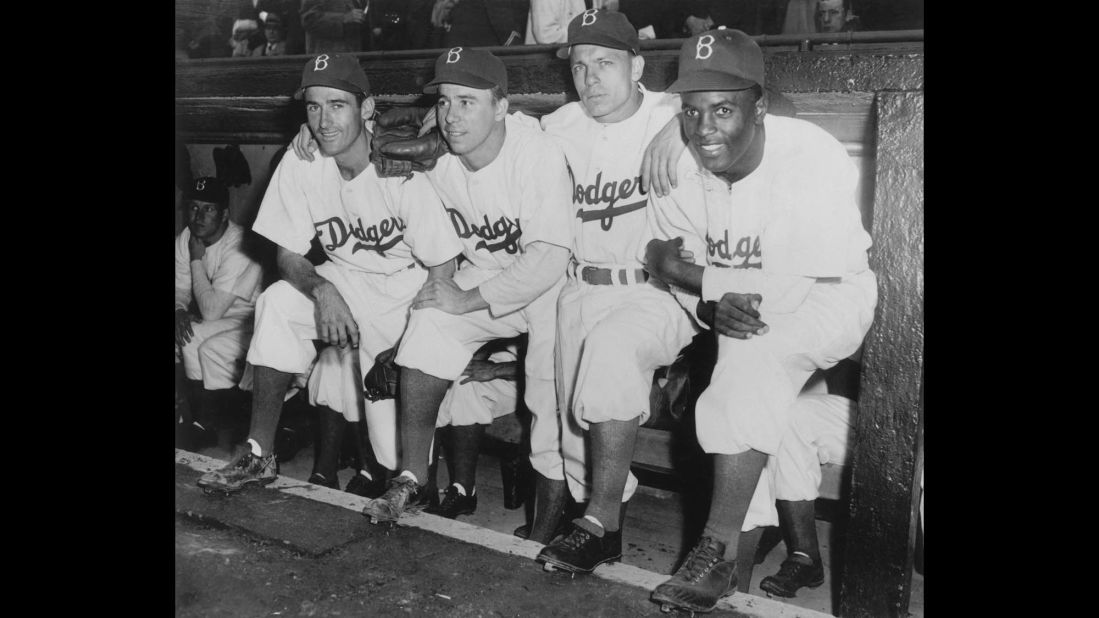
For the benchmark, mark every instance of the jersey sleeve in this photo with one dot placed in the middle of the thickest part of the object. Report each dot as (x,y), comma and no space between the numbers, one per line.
(545,196)
(283,214)
(428,230)
(183,270)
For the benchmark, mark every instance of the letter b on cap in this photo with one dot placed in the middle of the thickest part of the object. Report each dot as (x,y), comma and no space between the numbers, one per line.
(200,185)
(589,17)
(704,43)
(321,63)
(454,55)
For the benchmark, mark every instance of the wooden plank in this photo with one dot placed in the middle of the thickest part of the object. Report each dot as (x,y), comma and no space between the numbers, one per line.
(878,562)
(540,71)
(275,119)
(654,450)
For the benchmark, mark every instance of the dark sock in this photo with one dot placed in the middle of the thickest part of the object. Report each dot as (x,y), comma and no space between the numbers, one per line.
(331,425)
(735,479)
(465,444)
(612,445)
(420,396)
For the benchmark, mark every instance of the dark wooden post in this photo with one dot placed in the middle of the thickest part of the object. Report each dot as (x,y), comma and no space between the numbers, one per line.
(877,564)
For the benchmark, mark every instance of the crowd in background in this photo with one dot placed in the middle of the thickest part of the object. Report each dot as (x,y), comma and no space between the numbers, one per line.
(237,28)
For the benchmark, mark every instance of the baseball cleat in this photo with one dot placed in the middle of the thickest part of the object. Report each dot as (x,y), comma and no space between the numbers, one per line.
(791,576)
(580,551)
(243,470)
(404,494)
(701,581)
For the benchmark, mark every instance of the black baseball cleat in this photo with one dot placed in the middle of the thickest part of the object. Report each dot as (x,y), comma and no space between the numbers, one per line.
(791,576)
(701,581)
(319,479)
(367,488)
(581,550)
(454,504)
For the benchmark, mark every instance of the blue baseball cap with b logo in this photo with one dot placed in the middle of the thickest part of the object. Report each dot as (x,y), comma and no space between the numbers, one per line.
(468,66)
(603,28)
(719,60)
(335,71)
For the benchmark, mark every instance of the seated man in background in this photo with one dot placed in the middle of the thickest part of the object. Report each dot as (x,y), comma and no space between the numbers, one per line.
(222,282)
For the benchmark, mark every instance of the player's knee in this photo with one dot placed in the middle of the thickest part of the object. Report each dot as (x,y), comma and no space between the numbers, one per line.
(277,295)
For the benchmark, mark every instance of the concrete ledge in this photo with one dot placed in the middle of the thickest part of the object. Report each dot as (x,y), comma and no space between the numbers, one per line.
(745,604)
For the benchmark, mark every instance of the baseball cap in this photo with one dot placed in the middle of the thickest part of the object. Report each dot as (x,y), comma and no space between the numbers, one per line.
(722,59)
(603,28)
(335,71)
(208,189)
(471,67)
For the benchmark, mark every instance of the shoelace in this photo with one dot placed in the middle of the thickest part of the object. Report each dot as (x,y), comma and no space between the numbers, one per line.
(699,562)
(576,539)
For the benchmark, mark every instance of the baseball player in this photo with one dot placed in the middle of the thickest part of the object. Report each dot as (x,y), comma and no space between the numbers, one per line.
(223,282)
(769,202)
(378,234)
(615,327)
(505,186)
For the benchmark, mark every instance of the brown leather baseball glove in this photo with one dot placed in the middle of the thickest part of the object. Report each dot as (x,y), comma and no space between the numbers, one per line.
(383,379)
(396,150)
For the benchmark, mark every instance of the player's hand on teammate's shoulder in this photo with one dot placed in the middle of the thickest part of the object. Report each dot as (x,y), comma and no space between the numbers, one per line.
(737,316)
(658,166)
(335,324)
(303,144)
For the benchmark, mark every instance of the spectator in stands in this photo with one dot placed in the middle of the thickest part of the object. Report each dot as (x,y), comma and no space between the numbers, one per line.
(655,19)
(481,23)
(835,16)
(548,20)
(703,15)
(216,289)
(275,34)
(335,25)
(241,40)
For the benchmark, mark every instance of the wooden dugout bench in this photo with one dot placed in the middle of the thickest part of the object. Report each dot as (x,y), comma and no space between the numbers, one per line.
(864,88)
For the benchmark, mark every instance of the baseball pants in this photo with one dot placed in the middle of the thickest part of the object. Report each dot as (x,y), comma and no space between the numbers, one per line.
(818,435)
(215,353)
(285,330)
(610,340)
(441,344)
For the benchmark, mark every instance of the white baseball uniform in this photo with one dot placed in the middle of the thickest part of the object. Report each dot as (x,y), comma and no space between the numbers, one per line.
(215,353)
(820,425)
(611,336)
(519,198)
(378,234)
(478,403)
(790,231)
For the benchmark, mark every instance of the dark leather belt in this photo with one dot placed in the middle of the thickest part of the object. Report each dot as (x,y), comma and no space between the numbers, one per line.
(612,276)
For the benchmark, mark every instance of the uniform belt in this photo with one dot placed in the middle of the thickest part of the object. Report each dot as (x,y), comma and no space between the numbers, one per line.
(611,276)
